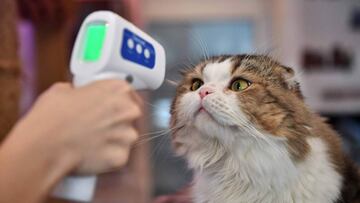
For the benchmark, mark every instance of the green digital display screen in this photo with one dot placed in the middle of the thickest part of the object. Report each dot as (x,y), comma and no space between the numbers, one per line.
(94,41)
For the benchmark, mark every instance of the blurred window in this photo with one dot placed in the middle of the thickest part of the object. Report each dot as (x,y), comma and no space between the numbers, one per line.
(183,40)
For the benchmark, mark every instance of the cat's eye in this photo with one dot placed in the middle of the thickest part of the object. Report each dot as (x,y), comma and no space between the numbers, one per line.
(239,85)
(196,84)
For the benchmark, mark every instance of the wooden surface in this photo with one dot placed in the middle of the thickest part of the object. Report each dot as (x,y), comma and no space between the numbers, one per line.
(9,67)
(53,46)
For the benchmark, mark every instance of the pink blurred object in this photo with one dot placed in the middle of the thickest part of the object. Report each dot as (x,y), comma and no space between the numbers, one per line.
(133,11)
(27,55)
(183,196)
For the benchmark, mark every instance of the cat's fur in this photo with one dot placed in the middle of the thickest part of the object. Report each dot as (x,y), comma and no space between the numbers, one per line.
(261,144)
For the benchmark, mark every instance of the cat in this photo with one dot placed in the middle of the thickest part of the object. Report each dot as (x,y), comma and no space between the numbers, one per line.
(242,124)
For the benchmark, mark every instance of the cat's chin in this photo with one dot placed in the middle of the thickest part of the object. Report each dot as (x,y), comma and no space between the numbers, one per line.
(203,117)
(207,123)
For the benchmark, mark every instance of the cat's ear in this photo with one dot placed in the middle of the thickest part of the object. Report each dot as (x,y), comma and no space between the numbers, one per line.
(288,75)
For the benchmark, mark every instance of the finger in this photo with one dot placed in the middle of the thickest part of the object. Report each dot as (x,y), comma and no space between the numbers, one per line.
(137,98)
(61,85)
(124,110)
(116,158)
(114,116)
(110,85)
(126,136)
(106,89)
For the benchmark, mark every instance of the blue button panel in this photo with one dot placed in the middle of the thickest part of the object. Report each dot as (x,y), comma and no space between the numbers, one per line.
(137,50)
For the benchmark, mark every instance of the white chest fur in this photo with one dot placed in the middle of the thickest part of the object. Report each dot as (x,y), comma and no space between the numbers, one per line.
(266,175)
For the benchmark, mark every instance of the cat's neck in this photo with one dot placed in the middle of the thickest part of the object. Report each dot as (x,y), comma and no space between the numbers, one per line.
(262,172)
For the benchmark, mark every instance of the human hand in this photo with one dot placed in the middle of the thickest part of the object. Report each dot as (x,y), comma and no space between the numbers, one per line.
(88,129)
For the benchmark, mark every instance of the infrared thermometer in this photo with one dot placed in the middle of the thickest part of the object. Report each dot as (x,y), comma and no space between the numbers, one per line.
(109,47)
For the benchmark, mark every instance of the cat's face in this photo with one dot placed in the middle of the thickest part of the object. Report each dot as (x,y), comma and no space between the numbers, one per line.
(240,97)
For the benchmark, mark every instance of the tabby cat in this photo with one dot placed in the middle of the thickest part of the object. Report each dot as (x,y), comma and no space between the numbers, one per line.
(243,126)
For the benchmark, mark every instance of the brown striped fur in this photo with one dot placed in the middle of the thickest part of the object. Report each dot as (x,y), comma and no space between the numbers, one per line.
(275,104)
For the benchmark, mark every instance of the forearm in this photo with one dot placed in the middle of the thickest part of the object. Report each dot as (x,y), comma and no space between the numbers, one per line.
(28,171)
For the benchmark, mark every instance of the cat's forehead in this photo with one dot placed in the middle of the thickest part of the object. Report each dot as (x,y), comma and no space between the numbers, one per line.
(217,71)
(252,67)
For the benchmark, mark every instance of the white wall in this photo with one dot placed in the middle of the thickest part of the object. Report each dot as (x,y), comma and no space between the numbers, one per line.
(326,22)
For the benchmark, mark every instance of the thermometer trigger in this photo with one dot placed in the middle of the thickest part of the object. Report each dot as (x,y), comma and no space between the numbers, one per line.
(129,78)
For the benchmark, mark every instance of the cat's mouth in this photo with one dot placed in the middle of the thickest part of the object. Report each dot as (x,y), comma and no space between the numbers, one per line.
(207,112)
(202,111)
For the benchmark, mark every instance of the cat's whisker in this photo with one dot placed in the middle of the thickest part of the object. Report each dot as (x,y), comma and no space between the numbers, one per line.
(157,134)
(150,104)
(172,82)
(197,38)
(250,131)
(205,47)
(150,138)
(186,68)
(157,147)
(162,131)
(241,123)
(153,133)
(244,124)
(190,64)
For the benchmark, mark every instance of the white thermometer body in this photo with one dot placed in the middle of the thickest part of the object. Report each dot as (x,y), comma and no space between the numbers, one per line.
(107,46)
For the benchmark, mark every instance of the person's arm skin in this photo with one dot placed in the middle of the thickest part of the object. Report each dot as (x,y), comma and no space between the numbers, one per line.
(87,130)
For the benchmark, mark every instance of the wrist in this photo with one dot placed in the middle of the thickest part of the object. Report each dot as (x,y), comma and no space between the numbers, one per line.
(38,148)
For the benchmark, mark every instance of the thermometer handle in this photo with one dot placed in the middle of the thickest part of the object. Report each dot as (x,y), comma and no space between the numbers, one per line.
(82,188)
(77,188)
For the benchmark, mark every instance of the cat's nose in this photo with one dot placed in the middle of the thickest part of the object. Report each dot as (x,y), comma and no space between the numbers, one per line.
(205,91)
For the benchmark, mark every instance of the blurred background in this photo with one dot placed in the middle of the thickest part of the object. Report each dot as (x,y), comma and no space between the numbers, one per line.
(320,39)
